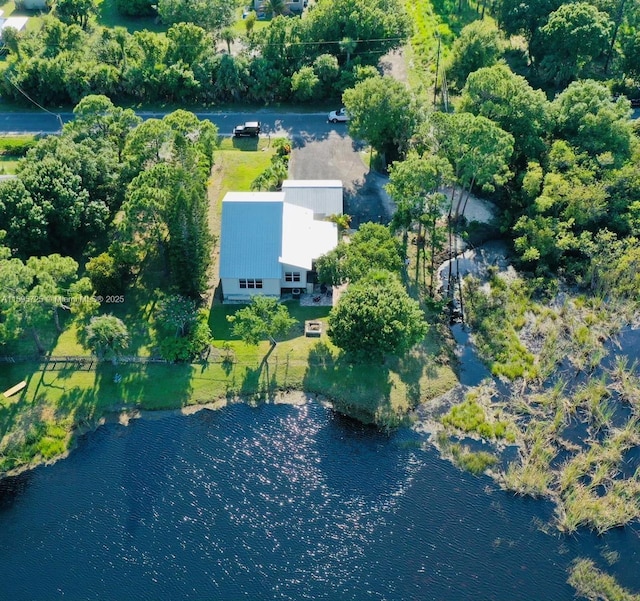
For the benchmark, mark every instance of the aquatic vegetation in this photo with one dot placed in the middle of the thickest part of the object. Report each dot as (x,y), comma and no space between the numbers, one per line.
(595,585)
(496,312)
(476,462)
(590,490)
(469,416)
(532,476)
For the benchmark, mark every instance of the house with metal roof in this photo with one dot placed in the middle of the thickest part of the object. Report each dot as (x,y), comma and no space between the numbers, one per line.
(268,245)
(324,196)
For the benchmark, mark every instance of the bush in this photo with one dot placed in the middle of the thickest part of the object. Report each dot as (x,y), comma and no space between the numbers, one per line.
(105,275)
(193,344)
(16,146)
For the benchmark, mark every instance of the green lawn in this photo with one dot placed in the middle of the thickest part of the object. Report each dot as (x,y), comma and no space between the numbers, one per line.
(8,164)
(238,162)
(108,16)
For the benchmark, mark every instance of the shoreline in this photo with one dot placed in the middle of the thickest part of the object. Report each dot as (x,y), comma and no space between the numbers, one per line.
(125,415)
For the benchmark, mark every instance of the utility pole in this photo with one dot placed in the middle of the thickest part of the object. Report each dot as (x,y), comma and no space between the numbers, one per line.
(435,85)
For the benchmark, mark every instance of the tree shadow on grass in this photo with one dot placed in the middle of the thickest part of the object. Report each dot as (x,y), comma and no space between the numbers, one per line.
(362,390)
(11,408)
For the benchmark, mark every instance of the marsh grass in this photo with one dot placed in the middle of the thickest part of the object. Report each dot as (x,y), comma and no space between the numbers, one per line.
(532,475)
(470,416)
(595,585)
(591,493)
(475,462)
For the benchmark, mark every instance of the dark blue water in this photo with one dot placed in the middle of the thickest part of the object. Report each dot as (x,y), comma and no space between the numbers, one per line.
(278,502)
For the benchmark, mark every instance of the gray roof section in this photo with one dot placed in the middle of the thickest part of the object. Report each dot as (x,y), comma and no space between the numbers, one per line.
(251,236)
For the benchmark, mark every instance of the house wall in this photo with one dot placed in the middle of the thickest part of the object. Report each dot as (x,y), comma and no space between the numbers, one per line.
(292,269)
(231,289)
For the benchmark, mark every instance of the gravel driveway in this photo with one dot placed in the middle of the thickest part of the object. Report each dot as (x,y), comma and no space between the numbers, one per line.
(336,156)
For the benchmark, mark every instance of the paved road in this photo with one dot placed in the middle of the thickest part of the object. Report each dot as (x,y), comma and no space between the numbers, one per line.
(321,150)
(278,123)
(275,122)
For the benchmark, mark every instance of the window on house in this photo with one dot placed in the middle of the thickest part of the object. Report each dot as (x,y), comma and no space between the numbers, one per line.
(291,276)
(251,283)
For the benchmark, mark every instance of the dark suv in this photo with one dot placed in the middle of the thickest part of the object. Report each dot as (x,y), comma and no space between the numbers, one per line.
(250,128)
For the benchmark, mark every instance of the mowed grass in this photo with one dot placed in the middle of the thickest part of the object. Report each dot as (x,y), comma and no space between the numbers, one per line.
(108,16)
(241,160)
(8,165)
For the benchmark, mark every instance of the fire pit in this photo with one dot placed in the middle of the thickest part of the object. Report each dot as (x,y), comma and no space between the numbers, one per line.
(313,328)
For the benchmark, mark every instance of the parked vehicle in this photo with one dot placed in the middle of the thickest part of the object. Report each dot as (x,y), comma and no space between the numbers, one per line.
(339,116)
(248,129)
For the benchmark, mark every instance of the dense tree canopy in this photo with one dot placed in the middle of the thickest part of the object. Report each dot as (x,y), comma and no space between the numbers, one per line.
(62,63)
(588,118)
(384,113)
(375,317)
(510,102)
(371,247)
(478,150)
(75,11)
(573,35)
(210,14)
(480,45)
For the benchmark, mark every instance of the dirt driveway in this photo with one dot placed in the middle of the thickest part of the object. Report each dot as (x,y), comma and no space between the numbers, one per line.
(335,155)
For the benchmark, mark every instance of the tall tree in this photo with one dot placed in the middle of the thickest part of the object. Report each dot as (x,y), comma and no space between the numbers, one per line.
(383,113)
(588,118)
(480,44)
(375,317)
(415,186)
(75,11)
(478,150)
(210,14)
(508,100)
(525,17)
(573,36)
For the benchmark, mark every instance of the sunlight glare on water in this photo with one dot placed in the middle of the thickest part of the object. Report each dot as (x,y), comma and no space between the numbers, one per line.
(276,502)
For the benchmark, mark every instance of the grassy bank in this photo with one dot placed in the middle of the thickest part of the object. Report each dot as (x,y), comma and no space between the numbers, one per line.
(59,397)
(434,20)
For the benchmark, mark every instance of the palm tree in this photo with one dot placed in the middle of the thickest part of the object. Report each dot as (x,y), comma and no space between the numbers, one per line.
(348,45)
(107,337)
(228,36)
(275,7)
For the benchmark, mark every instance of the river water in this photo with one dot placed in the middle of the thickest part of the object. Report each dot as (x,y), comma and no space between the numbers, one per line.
(279,502)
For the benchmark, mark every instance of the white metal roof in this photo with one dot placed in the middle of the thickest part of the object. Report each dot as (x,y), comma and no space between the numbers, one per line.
(304,238)
(17,23)
(253,197)
(311,183)
(260,232)
(324,197)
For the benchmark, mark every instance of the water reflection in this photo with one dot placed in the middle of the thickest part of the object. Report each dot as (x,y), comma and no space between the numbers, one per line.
(279,502)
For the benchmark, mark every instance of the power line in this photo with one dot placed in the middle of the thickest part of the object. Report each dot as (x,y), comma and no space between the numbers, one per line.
(17,87)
